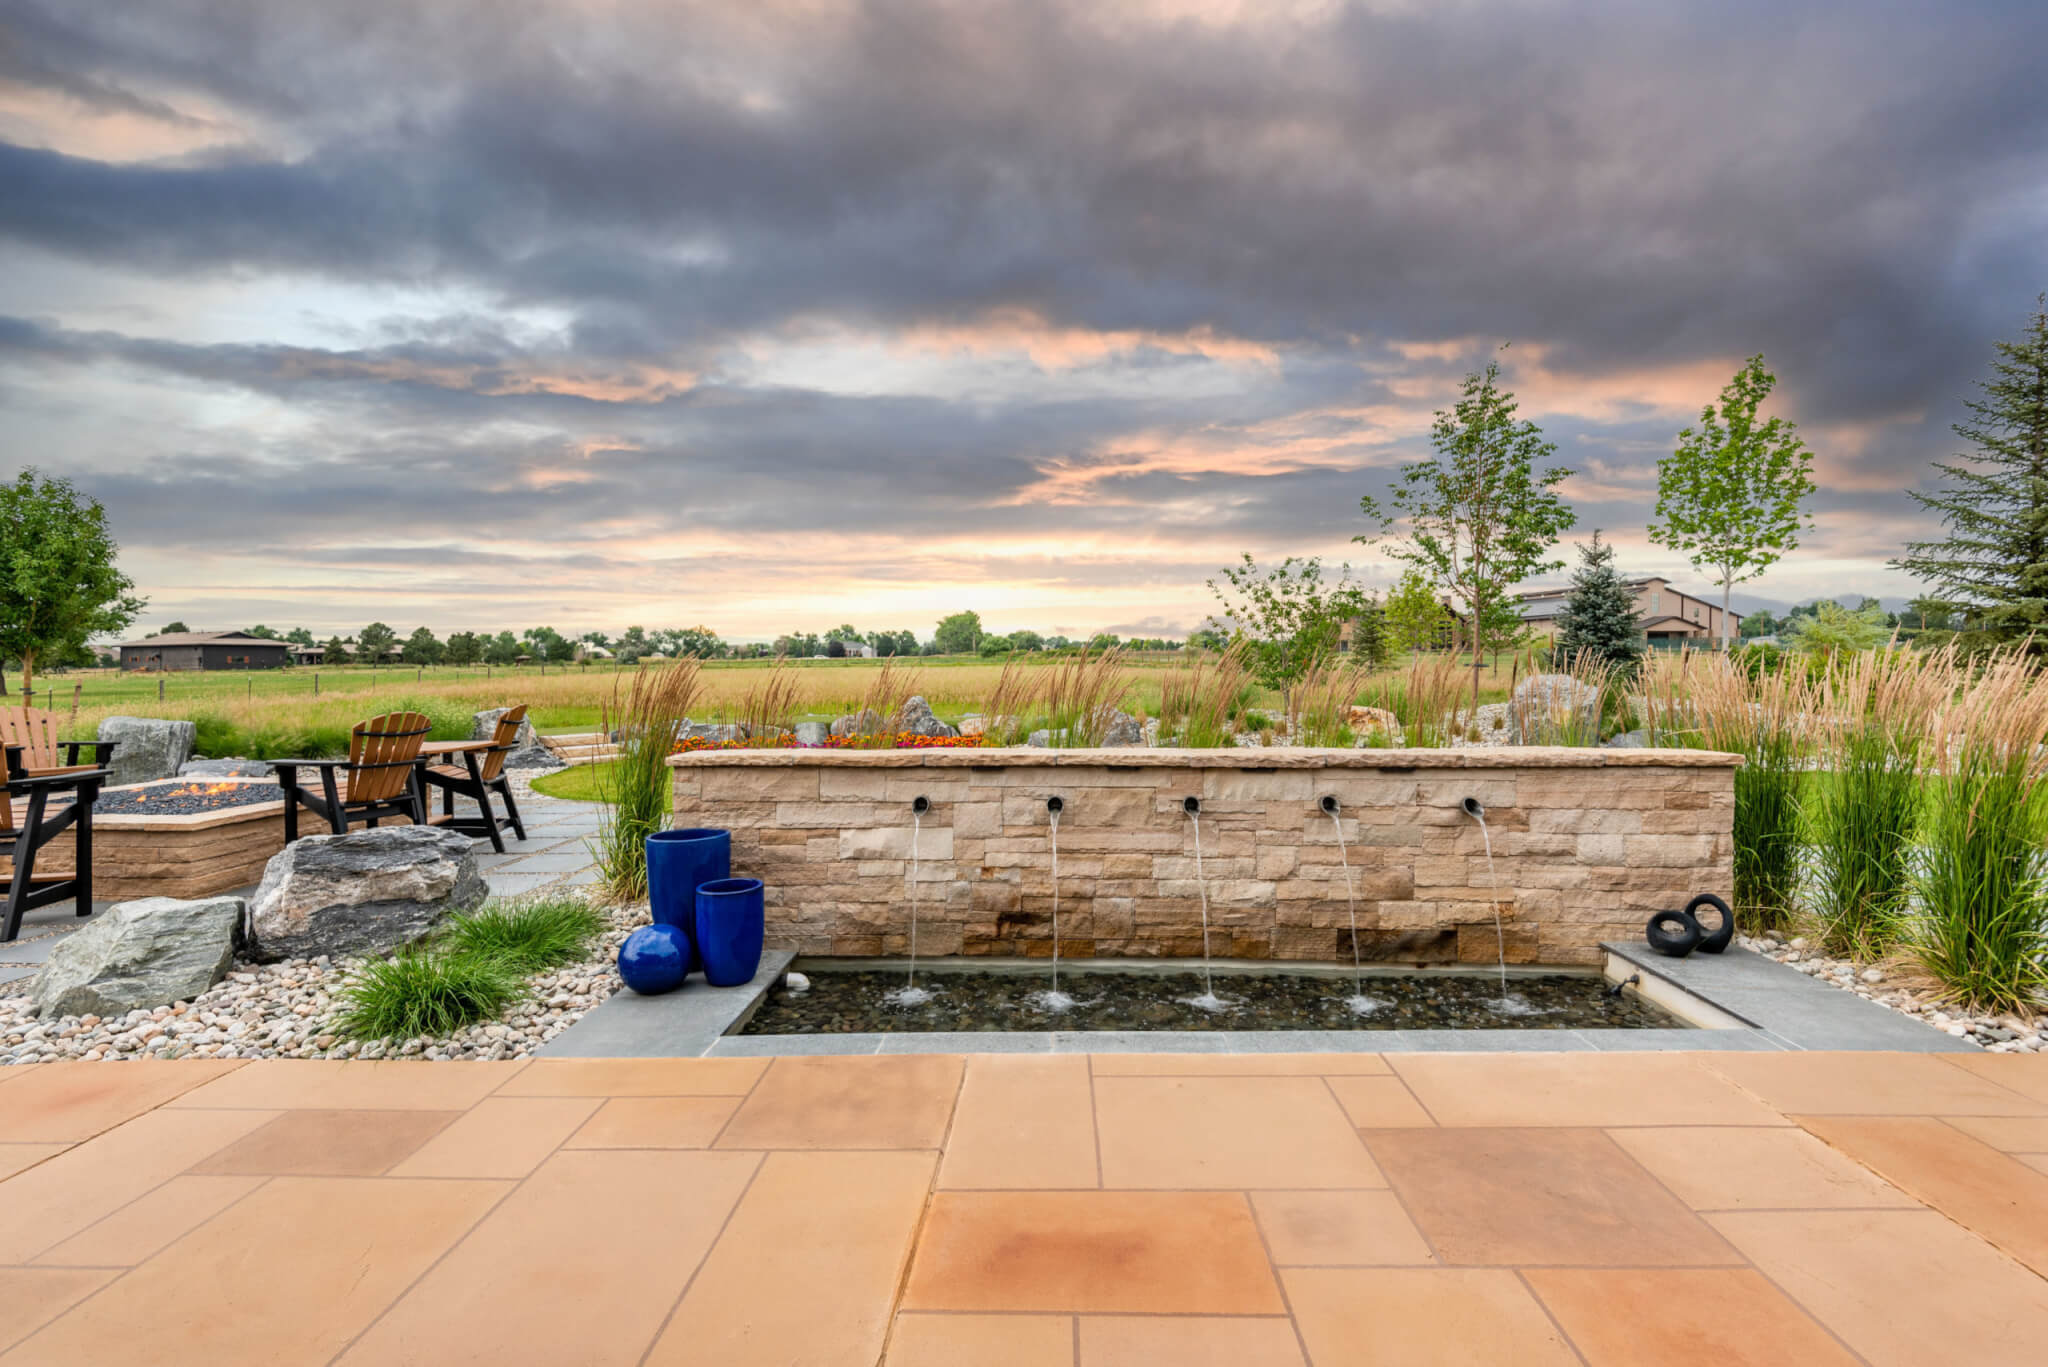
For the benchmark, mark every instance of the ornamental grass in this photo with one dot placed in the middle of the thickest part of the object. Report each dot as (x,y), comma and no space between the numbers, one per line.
(1319,703)
(1201,699)
(1430,699)
(645,715)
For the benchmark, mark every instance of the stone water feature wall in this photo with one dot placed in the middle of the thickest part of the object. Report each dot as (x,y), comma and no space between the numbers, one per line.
(1586,844)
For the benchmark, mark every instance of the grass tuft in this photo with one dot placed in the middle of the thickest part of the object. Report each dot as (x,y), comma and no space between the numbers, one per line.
(421,991)
(527,935)
(635,787)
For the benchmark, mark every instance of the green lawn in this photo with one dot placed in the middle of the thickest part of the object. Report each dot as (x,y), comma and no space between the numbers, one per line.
(579,783)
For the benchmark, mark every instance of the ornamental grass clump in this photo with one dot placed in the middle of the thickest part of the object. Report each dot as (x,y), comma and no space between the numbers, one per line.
(1864,805)
(1072,698)
(1981,926)
(426,991)
(529,936)
(1713,703)
(633,790)
(1565,704)
(769,707)
(1319,703)
(1199,700)
(1427,698)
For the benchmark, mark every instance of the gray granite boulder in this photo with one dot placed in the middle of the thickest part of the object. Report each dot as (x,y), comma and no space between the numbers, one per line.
(862,723)
(813,732)
(917,718)
(715,731)
(1543,703)
(140,955)
(1628,740)
(526,753)
(1121,728)
(224,768)
(147,748)
(365,892)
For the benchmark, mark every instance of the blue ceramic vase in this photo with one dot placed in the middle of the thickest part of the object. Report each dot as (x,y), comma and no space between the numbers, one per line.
(731,923)
(678,863)
(655,959)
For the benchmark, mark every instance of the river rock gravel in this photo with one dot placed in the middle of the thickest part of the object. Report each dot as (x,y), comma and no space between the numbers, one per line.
(1903,990)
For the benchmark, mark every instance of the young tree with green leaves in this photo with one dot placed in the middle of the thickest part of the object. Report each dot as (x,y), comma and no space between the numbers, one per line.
(959,634)
(375,640)
(1730,494)
(335,652)
(58,583)
(1993,564)
(1414,614)
(464,648)
(1479,516)
(503,649)
(422,648)
(1599,619)
(1834,630)
(1289,617)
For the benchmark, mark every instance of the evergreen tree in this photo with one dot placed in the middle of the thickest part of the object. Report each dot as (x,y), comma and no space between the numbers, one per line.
(1993,564)
(1599,616)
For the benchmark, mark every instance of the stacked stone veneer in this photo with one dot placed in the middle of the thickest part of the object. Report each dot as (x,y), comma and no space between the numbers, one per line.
(1585,843)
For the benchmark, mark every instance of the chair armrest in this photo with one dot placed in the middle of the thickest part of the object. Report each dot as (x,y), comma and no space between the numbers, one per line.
(308,763)
(102,750)
(12,754)
(56,783)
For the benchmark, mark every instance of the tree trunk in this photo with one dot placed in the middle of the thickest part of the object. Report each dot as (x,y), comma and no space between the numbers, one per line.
(28,687)
(1727,622)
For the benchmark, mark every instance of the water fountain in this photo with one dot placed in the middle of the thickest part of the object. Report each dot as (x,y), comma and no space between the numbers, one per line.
(910,994)
(1053,999)
(1357,1001)
(1476,809)
(1208,1001)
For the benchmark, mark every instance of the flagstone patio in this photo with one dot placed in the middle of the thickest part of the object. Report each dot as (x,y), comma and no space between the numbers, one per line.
(1013,1211)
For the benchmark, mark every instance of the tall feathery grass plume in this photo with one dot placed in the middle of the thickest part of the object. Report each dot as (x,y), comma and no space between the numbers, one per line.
(645,713)
(1981,923)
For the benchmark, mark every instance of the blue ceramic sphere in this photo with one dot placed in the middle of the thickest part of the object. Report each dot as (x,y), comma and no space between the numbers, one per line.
(655,959)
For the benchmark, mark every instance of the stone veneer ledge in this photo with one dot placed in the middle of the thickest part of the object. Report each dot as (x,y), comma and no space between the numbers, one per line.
(1586,843)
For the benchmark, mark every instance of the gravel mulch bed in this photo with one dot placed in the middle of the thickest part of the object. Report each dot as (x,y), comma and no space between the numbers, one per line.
(1907,991)
(286,1010)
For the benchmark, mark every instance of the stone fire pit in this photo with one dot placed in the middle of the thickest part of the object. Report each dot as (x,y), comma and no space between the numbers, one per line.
(179,837)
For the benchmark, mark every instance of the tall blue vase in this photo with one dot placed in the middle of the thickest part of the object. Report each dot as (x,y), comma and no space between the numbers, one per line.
(731,924)
(678,862)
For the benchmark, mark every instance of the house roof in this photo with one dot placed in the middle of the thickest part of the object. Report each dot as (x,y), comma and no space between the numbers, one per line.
(204,638)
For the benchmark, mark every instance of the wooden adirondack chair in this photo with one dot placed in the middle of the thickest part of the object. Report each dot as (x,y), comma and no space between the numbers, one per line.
(42,816)
(34,734)
(377,779)
(482,773)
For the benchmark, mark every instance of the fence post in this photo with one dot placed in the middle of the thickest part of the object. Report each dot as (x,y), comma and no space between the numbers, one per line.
(316,683)
(76,690)
(159,688)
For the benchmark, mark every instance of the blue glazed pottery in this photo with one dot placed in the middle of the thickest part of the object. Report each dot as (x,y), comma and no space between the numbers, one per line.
(678,863)
(731,923)
(655,959)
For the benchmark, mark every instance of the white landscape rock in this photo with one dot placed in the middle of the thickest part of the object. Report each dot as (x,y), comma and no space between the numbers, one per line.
(362,893)
(147,748)
(140,954)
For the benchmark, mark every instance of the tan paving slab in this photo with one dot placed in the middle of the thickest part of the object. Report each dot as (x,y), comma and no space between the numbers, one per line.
(64,1103)
(947,1340)
(21,1157)
(61,1196)
(807,1267)
(1623,1317)
(637,1077)
(33,1296)
(1339,1229)
(580,1264)
(1965,1179)
(151,1222)
(286,1276)
(1871,1084)
(505,1137)
(1227,1132)
(350,1143)
(1023,1121)
(351,1084)
(1238,1065)
(1540,1197)
(2037,1161)
(2012,1134)
(1577,1090)
(2026,1074)
(656,1122)
(1431,1317)
(1730,1168)
(1379,1103)
(901,1102)
(1904,1288)
(1131,1252)
(1187,1341)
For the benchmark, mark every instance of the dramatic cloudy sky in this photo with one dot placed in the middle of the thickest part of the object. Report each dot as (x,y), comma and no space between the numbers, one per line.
(773,315)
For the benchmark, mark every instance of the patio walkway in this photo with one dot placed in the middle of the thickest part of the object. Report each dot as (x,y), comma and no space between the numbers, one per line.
(1009,1211)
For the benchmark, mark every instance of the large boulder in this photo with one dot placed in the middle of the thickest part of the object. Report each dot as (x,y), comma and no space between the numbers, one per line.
(365,892)
(813,732)
(147,748)
(140,955)
(1374,726)
(916,718)
(225,768)
(865,722)
(526,753)
(1544,703)
(1121,728)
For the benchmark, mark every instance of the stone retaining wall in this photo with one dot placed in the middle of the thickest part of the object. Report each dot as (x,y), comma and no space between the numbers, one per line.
(1586,844)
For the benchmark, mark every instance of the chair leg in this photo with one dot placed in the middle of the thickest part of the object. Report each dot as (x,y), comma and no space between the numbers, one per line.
(483,802)
(337,816)
(82,857)
(291,812)
(24,865)
(504,787)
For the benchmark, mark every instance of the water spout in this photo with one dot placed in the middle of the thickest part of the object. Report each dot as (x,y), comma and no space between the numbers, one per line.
(910,994)
(1476,809)
(1054,999)
(1208,1001)
(1357,1001)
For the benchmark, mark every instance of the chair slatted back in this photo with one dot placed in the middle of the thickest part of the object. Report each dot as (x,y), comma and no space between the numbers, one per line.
(35,731)
(381,752)
(502,741)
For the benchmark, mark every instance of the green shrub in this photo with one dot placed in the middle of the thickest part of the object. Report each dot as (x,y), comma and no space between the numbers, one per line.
(529,936)
(423,990)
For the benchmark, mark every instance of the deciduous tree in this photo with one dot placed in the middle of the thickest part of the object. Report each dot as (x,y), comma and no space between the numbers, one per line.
(58,582)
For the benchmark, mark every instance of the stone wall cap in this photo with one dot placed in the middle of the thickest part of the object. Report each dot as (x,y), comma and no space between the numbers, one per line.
(1255,758)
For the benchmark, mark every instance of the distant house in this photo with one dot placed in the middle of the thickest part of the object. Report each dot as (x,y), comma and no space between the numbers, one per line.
(181,650)
(308,655)
(1671,617)
(586,651)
